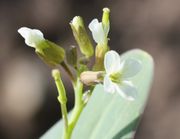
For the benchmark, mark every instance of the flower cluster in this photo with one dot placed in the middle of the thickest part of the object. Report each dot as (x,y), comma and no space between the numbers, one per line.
(109,68)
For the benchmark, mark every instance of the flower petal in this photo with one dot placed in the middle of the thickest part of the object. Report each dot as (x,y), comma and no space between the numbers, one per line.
(127,90)
(31,36)
(97,31)
(109,86)
(112,62)
(130,68)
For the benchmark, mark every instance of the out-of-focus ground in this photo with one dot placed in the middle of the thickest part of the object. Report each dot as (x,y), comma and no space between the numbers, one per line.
(28,105)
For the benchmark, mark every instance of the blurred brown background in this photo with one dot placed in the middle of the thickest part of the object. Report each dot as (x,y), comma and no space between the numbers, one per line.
(28,105)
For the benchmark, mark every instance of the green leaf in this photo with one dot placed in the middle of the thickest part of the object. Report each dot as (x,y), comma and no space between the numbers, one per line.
(109,116)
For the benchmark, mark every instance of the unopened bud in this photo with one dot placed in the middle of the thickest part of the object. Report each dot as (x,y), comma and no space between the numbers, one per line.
(90,77)
(71,56)
(99,61)
(105,20)
(60,86)
(50,53)
(81,36)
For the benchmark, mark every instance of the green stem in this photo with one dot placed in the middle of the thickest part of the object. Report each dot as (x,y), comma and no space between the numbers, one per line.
(62,98)
(64,115)
(68,71)
(78,107)
(79,103)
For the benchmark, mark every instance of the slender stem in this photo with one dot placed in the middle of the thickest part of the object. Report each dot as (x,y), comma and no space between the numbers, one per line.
(78,107)
(68,71)
(64,115)
(62,98)
(79,103)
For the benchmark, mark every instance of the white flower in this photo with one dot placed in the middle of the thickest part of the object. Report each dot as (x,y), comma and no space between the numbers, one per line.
(99,33)
(117,74)
(32,36)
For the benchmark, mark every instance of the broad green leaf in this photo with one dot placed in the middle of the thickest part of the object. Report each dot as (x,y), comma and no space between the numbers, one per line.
(109,116)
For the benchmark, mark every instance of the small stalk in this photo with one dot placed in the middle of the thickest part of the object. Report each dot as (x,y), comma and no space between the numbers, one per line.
(62,99)
(78,107)
(68,71)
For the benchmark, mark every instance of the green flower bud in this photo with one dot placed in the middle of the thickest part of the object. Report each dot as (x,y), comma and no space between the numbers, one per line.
(81,36)
(99,61)
(48,51)
(71,56)
(105,20)
(60,86)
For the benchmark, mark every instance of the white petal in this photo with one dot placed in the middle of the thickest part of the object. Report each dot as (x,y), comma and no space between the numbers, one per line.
(112,62)
(119,91)
(108,85)
(97,31)
(127,90)
(93,24)
(130,68)
(31,36)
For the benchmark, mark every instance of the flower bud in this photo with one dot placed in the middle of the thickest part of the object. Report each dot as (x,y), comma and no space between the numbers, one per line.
(71,56)
(99,61)
(105,20)
(90,77)
(48,51)
(81,36)
(60,86)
